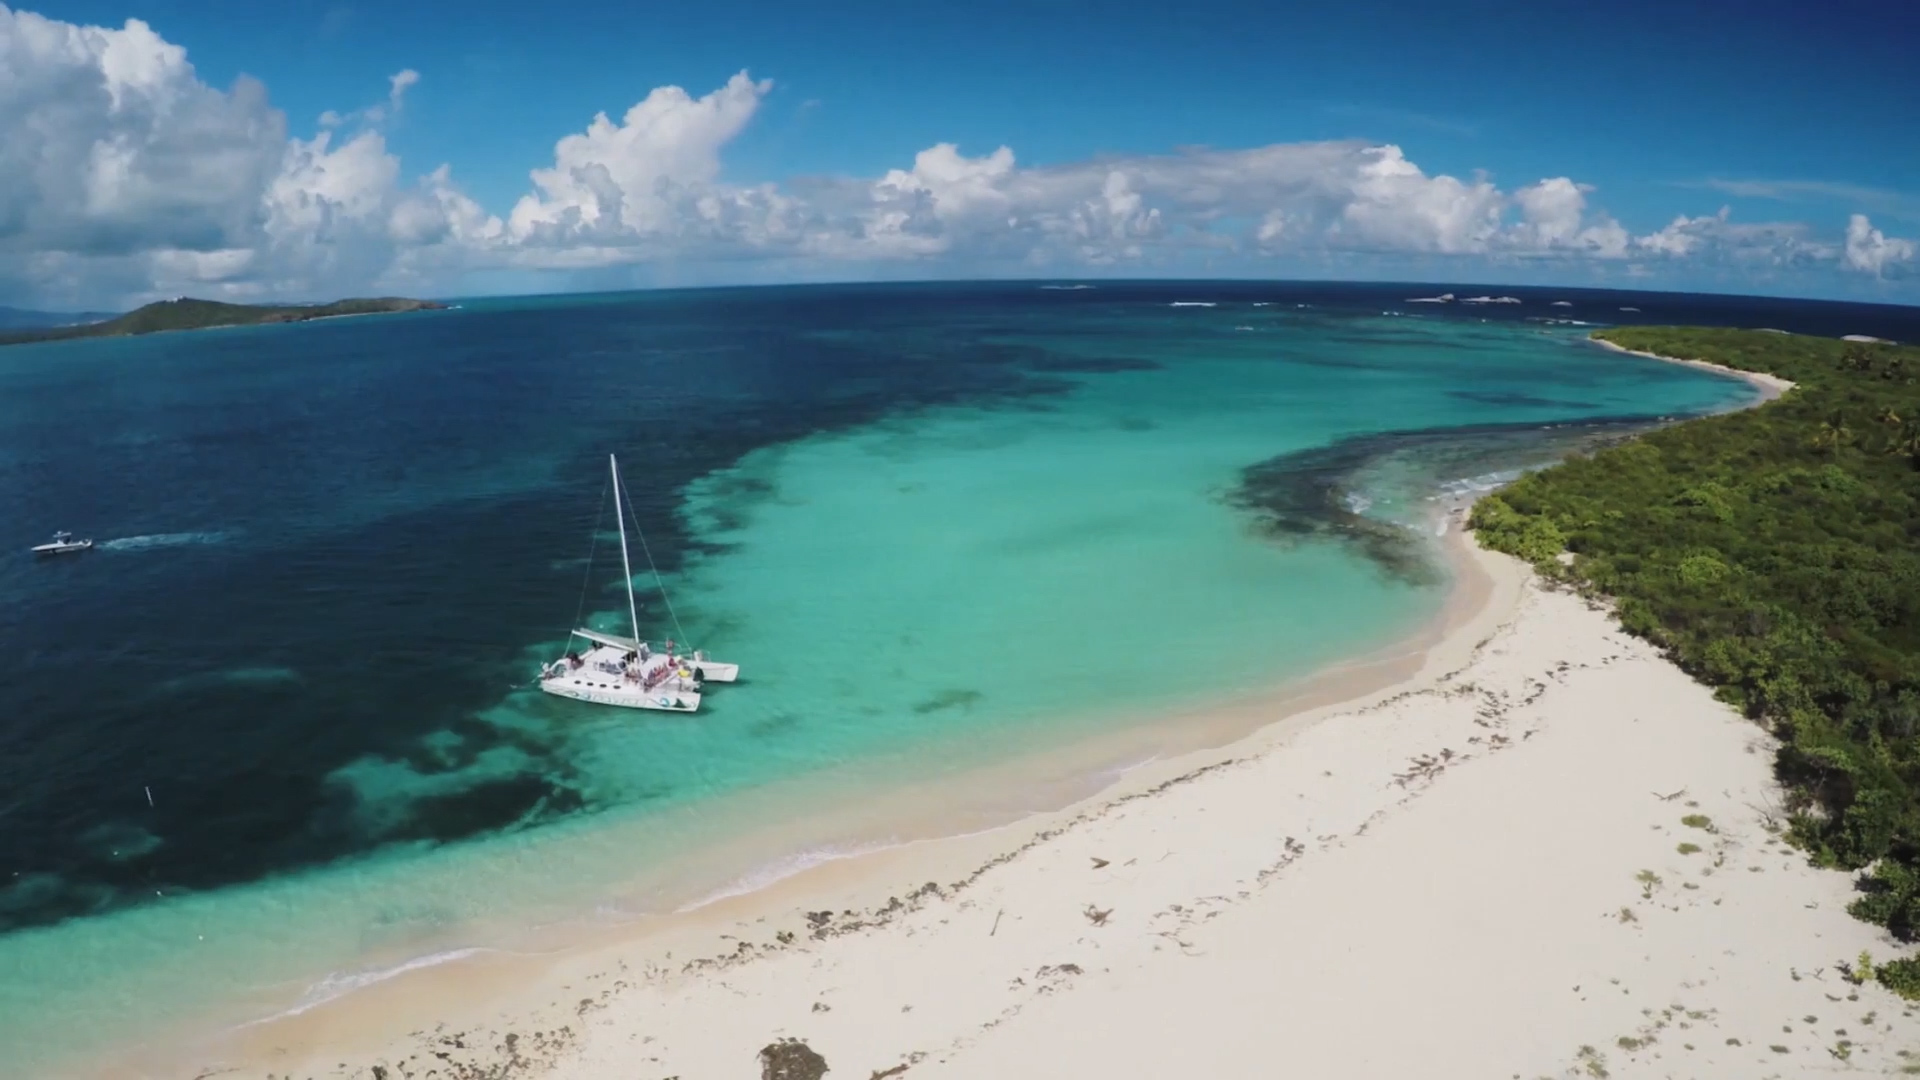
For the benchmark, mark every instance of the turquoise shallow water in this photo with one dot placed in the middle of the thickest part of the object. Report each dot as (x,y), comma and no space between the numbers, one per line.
(1006,525)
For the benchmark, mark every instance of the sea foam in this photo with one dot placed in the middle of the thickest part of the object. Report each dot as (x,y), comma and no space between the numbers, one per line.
(338,985)
(772,873)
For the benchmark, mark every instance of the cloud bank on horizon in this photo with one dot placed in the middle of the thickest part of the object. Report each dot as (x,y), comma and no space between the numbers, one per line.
(124,177)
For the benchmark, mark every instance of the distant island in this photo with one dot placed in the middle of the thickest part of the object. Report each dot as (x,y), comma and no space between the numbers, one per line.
(12,318)
(187,313)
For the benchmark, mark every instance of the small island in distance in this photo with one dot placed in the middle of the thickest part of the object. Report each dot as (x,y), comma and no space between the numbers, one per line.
(187,313)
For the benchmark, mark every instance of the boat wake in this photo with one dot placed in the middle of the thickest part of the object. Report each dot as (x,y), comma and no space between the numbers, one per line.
(239,678)
(162,540)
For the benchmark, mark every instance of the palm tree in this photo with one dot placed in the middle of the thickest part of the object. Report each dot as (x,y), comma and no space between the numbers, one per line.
(1832,434)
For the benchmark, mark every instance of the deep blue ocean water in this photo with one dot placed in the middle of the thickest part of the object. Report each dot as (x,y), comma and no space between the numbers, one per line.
(332,554)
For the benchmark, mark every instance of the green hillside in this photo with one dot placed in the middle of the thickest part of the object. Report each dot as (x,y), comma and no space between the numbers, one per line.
(186,313)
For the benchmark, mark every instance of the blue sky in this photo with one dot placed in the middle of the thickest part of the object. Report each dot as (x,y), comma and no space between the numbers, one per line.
(1787,114)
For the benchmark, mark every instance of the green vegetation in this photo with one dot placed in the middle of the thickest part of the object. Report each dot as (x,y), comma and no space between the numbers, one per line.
(1774,554)
(1900,976)
(1861,971)
(189,314)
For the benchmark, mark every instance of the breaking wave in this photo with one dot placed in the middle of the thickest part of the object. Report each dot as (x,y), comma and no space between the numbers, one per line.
(337,986)
(772,873)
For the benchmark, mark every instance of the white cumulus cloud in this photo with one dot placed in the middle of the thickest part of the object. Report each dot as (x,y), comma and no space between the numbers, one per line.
(1553,217)
(123,176)
(110,146)
(1873,251)
(397,85)
(1317,196)
(1718,239)
(1391,204)
(649,177)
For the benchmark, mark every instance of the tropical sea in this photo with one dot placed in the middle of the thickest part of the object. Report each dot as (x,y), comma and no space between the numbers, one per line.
(275,737)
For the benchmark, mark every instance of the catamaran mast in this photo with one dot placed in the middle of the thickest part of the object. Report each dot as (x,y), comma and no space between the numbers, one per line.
(632,612)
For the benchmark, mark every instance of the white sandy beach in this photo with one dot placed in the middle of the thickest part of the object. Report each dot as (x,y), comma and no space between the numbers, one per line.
(1480,873)
(1770,386)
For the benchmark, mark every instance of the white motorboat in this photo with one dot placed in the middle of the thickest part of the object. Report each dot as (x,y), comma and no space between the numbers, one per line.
(627,671)
(63,543)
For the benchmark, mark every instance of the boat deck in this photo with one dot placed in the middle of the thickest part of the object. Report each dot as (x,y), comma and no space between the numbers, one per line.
(603,678)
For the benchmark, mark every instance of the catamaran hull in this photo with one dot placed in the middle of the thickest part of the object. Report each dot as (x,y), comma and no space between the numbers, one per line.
(603,676)
(670,700)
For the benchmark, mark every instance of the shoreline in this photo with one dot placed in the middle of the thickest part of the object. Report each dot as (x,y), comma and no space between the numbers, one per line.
(1771,387)
(1499,835)
(834,859)
(381,1022)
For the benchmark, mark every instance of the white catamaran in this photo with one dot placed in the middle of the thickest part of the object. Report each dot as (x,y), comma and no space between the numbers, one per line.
(626,671)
